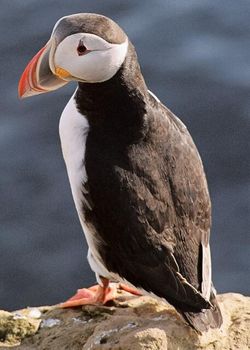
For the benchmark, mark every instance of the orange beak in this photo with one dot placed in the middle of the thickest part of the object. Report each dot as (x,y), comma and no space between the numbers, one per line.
(38,77)
(28,81)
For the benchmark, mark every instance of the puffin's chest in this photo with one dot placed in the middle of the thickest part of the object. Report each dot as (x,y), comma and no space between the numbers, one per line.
(73,129)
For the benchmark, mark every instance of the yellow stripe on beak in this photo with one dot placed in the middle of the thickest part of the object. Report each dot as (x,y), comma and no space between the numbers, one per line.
(62,73)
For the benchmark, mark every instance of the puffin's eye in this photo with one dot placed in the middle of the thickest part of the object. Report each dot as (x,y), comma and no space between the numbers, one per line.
(81,49)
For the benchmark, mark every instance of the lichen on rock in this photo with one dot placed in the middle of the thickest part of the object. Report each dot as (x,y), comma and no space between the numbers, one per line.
(14,327)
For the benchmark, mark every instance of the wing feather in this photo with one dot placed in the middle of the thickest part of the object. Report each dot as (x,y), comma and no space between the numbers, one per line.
(175,216)
(156,241)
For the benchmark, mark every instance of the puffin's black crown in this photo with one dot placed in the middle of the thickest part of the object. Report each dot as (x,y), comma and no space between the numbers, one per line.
(92,23)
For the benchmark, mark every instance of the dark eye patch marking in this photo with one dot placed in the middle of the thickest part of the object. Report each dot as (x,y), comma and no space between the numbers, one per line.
(81,48)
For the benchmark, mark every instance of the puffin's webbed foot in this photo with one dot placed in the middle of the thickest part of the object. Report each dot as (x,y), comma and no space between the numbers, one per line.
(97,294)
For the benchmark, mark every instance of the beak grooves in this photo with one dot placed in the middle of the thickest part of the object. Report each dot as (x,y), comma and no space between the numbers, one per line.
(40,75)
(28,81)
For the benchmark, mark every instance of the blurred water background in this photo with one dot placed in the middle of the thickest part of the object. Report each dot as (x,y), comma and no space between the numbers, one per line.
(195,56)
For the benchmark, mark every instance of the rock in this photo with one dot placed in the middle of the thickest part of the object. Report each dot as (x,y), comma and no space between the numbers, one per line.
(130,324)
(17,325)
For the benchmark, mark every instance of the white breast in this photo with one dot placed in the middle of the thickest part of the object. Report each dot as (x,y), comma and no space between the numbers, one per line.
(73,130)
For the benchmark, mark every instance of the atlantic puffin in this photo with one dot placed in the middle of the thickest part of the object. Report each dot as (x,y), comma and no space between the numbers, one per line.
(136,176)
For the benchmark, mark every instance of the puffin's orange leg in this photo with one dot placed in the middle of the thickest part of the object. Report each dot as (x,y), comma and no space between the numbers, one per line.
(97,294)
(129,289)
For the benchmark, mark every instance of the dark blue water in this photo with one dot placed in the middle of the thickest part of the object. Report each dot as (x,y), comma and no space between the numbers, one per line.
(195,56)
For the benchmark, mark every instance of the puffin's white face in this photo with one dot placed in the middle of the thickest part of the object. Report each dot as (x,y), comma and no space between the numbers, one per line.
(87,57)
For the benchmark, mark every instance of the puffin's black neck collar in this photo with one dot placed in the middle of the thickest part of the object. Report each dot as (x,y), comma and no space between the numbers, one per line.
(117,103)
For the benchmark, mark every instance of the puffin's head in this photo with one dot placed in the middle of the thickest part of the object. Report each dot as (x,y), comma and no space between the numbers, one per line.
(83,47)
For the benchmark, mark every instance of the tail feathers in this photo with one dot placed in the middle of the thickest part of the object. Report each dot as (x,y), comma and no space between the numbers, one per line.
(207,318)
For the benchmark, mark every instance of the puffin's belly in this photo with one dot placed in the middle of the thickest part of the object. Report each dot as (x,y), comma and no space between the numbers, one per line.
(73,130)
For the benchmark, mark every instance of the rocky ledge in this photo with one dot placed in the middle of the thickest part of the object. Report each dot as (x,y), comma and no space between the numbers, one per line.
(129,324)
